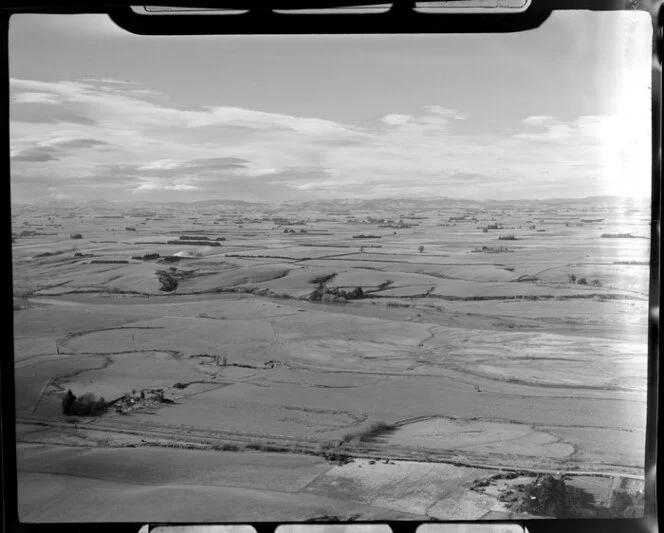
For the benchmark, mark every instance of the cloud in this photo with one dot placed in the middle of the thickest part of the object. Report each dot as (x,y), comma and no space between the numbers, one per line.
(50,149)
(537,120)
(107,81)
(73,143)
(55,195)
(445,112)
(552,132)
(162,164)
(470,177)
(396,119)
(38,154)
(435,116)
(35,98)
(157,184)
(74,134)
(46,113)
(599,154)
(258,120)
(214,164)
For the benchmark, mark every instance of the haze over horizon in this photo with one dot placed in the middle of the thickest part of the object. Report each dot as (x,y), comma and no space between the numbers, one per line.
(97,112)
(128,202)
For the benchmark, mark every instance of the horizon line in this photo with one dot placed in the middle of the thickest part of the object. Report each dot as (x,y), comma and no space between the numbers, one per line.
(64,201)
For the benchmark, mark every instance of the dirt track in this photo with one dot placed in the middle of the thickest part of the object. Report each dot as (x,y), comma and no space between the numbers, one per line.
(154,435)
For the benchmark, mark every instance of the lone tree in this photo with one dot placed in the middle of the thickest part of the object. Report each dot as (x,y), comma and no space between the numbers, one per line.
(421,248)
(356,293)
(68,402)
(572,278)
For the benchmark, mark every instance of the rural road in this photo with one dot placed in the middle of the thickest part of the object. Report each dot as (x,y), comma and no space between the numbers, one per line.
(197,437)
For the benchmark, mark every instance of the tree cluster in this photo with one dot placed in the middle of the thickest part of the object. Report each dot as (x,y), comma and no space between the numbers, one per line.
(335,294)
(84,405)
(550,496)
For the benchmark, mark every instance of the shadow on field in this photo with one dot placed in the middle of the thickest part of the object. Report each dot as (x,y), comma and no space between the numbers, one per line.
(340,450)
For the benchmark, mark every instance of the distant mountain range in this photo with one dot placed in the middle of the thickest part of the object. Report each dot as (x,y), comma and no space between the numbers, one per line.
(331,205)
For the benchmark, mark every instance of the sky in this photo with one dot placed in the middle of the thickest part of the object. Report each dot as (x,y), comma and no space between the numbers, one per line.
(99,113)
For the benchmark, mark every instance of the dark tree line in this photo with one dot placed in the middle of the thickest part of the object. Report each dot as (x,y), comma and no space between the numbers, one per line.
(84,405)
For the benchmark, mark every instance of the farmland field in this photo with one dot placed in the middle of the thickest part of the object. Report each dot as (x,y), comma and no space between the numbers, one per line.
(360,361)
